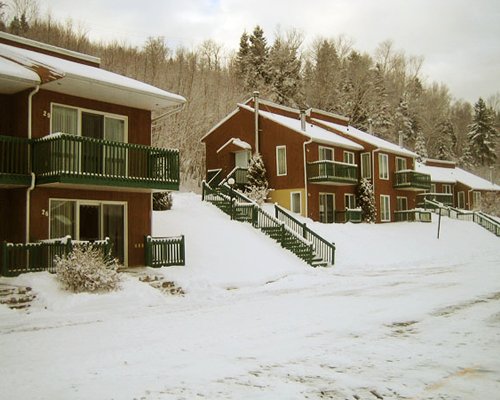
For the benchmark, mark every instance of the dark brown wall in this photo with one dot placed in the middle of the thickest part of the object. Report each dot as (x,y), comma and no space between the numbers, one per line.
(139,215)
(139,121)
(14,114)
(12,215)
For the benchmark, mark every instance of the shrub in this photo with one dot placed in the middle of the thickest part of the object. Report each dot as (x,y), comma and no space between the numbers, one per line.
(86,269)
(162,201)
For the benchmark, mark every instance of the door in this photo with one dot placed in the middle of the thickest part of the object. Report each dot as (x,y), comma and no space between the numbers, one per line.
(326,207)
(113,222)
(92,155)
(461,200)
(325,154)
(90,222)
(241,159)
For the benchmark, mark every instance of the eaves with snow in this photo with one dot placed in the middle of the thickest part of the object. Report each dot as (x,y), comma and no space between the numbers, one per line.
(314,132)
(368,138)
(21,69)
(456,175)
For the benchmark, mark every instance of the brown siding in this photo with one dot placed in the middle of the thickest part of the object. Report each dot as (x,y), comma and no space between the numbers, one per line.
(12,215)
(14,114)
(139,121)
(139,215)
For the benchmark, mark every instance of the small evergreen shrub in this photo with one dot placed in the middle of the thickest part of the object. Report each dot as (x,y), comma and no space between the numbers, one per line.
(162,201)
(257,187)
(86,269)
(366,200)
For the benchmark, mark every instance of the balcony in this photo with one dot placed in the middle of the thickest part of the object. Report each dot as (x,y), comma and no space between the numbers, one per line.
(14,162)
(412,180)
(332,173)
(70,159)
(445,198)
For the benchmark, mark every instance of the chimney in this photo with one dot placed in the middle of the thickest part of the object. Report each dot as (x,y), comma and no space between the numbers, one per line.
(303,120)
(256,108)
(400,139)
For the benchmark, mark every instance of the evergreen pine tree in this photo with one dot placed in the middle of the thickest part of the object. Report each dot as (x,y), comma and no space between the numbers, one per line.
(445,140)
(482,135)
(242,62)
(258,57)
(366,200)
(420,146)
(257,187)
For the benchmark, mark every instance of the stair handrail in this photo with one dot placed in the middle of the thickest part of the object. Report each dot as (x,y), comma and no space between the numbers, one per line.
(323,248)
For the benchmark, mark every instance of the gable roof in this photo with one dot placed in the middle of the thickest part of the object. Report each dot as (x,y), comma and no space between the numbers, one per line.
(314,132)
(368,138)
(454,175)
(69,77)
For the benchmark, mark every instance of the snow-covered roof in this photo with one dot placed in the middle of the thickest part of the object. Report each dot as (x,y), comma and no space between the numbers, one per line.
(316,133)
(454,175)
(368,138)
(82,80)
(237,143)
(15,78)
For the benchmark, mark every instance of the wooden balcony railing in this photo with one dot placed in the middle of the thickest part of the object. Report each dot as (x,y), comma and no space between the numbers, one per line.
(14,161)
(332,172)
(64,158)
(412,180)
(444,198)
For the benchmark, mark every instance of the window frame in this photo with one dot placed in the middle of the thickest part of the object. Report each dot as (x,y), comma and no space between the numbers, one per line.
(349,154)
(366,163)
(278,150)
(447,188)
(405,162)
(399,199)
(346,202)
(383,173)
(385,214)
(321,148)
(325,214)
(81,110)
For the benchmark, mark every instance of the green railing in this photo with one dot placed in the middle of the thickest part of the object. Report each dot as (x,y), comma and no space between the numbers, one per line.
(75,159)
(15,165)
(487,222)
(332,172)
(322,248)
(445,199)
(214,176)
(412,215)
(354,215)
(164,251)
(18,258)
(412,180)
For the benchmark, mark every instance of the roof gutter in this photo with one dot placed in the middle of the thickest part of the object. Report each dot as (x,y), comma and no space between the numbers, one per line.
(33,177)
(171,111)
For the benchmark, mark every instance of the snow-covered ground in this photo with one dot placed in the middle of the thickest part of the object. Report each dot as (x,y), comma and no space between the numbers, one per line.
(402,315)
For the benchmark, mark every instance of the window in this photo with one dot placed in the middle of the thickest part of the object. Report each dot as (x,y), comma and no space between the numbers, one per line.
(350,201)
(400,164)
(385,208)
(295,202)
(383,166)
(402,203)
(89,220)
(366,165)
(326,207)
(476,199)
(325,153)
(349,157)
(88,123)
(281,160)
(242,159)
(447,189)
(433,188)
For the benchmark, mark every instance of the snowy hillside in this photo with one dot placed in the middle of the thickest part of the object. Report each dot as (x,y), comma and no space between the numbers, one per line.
(401,315)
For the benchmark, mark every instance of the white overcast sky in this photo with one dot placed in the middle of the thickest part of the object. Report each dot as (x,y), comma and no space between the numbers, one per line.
(459,39)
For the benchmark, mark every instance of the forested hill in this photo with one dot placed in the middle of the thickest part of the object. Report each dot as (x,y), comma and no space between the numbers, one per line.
(384,90)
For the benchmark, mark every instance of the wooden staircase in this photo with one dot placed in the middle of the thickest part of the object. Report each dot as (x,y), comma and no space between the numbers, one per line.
(282,227)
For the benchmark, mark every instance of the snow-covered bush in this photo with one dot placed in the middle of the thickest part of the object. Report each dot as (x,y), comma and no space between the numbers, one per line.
(86,269)
(257,187)
(162,201)
(366,200)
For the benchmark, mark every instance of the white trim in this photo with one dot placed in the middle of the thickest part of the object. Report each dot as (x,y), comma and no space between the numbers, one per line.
(385,196)
(448,185)
(277,161)
(320,148)
(100,203)
(349,195)
(242,145)
(463,199)
(300,202)
(380,157)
